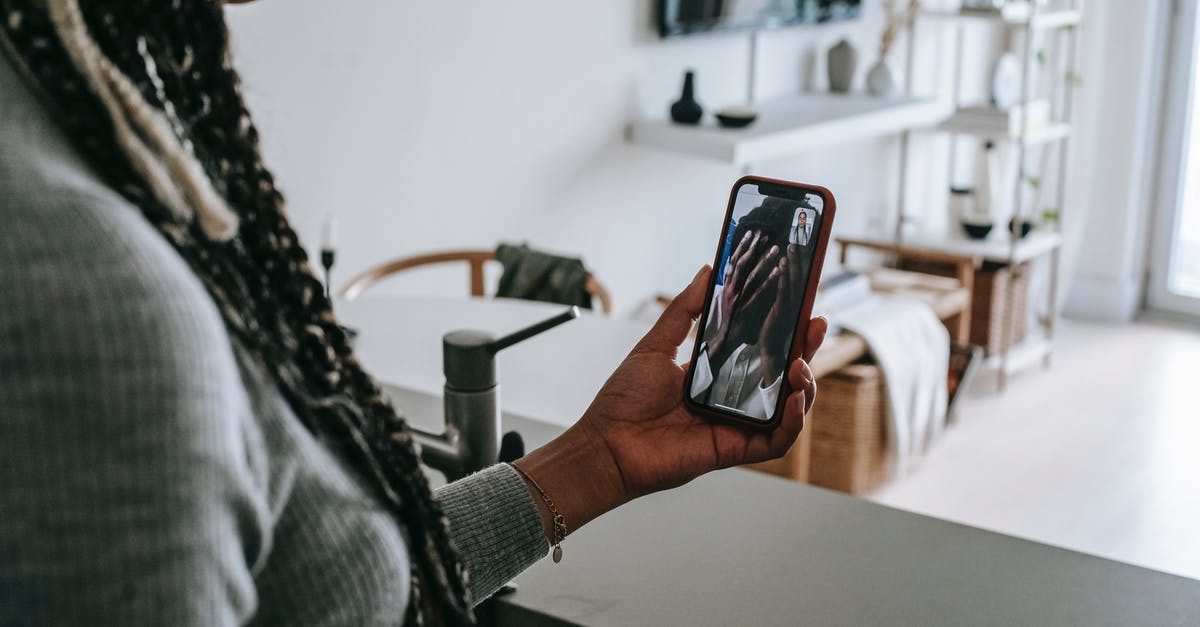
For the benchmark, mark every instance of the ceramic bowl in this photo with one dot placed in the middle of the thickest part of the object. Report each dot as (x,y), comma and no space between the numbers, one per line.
(977,231)
(736,117)
(1021,228)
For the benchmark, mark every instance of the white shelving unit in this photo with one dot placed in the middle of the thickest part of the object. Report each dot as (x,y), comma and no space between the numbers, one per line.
(794,125)
(790,126)
(1009,249)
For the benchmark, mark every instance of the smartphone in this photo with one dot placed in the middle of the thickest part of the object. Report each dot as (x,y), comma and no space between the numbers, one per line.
(759,300)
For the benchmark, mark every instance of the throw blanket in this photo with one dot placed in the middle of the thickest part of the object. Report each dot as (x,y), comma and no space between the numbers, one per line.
(912,349)
(534,275)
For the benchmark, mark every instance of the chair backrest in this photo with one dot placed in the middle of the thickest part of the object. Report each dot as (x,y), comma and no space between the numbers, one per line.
(474,258)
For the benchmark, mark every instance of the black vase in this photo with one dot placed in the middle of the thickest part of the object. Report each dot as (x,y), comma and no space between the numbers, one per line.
(686,110)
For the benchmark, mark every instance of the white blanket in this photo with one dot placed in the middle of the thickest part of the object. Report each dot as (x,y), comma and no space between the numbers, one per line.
(912,349)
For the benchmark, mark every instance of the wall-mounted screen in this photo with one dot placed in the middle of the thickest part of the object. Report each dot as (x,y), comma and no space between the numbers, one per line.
(684,17)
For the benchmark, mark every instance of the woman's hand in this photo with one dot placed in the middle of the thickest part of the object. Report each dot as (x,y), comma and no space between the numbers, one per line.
(637,436)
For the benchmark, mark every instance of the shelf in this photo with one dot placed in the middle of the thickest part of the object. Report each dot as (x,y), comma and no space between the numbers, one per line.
(995,249)
(1016,16)
(1000,129)
(792,126)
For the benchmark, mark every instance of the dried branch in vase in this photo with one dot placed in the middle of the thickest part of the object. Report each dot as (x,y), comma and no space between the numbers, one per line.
(894,21)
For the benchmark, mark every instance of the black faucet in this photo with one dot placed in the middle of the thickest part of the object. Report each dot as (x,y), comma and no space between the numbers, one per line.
(472,441)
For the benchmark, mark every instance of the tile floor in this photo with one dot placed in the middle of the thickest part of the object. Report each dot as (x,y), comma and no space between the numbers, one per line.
(1099,453)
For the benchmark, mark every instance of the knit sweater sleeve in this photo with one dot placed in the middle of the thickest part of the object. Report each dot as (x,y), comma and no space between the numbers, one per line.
(127,491)
(495,525)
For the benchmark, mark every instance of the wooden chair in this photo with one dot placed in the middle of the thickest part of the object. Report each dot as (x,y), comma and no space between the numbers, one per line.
(474,258)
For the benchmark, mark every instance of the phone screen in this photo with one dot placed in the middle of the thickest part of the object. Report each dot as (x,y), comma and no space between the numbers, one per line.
(766,252)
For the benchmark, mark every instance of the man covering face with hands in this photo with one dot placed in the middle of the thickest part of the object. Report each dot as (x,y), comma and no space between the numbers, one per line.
(752,316)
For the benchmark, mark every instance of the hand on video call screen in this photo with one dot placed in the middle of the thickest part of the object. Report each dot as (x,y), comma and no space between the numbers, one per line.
(761,278)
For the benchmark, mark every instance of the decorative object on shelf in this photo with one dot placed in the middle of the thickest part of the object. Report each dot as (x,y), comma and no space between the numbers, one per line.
(736,117)
(329,251)
(1021,228)
(962,202)
(841,62)
(879,79)
(1006,81)
(977,231)
(965,205)
(987,183)
(686,110)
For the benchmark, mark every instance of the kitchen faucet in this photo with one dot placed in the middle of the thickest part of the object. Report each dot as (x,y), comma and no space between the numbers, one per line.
(471,401)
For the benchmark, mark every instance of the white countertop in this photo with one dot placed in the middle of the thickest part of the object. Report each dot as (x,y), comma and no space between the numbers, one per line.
(551,378)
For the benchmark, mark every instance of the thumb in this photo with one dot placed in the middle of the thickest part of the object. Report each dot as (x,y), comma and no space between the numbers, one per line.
(676,321)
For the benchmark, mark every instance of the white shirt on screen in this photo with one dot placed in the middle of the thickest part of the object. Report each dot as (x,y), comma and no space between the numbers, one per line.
(738,383)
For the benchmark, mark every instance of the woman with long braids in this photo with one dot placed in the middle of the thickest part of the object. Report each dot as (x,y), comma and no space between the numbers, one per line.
(186,437)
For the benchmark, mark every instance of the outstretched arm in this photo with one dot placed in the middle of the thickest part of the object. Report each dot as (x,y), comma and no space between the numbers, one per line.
(637,437)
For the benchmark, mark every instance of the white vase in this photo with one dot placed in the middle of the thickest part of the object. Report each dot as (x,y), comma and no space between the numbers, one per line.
(879,79)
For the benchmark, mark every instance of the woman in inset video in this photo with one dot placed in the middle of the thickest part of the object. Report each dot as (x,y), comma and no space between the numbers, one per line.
(187,438)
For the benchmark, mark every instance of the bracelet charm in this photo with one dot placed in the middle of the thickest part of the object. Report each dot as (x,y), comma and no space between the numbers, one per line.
(559,523)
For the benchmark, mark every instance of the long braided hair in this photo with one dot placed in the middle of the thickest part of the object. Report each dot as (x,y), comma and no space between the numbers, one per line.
(169,60)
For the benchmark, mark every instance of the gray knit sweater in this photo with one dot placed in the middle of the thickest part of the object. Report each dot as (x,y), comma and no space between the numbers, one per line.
(152,474)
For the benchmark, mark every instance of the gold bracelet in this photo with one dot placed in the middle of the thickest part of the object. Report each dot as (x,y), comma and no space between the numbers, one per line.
(560,523)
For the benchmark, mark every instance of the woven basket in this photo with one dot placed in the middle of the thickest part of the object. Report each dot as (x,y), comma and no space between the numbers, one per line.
(849,447)
(793,465)
(991,308)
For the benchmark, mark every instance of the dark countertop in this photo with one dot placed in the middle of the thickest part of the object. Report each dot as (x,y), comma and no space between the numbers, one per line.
(740,547)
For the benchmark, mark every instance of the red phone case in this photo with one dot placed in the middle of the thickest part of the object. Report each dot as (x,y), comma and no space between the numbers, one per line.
(799,338)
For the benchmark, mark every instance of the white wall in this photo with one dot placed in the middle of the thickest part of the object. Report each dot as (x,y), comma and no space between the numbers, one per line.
(429,125)
(1120,104)
(434,124)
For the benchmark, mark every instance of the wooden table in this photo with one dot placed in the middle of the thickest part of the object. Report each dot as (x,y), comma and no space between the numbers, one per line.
(964,263)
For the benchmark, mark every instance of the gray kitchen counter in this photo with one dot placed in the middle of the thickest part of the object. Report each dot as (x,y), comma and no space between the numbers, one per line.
(738,547)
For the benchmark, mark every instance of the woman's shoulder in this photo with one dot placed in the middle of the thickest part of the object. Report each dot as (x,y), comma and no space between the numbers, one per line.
(80,263)
(83,266)
(124,413)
